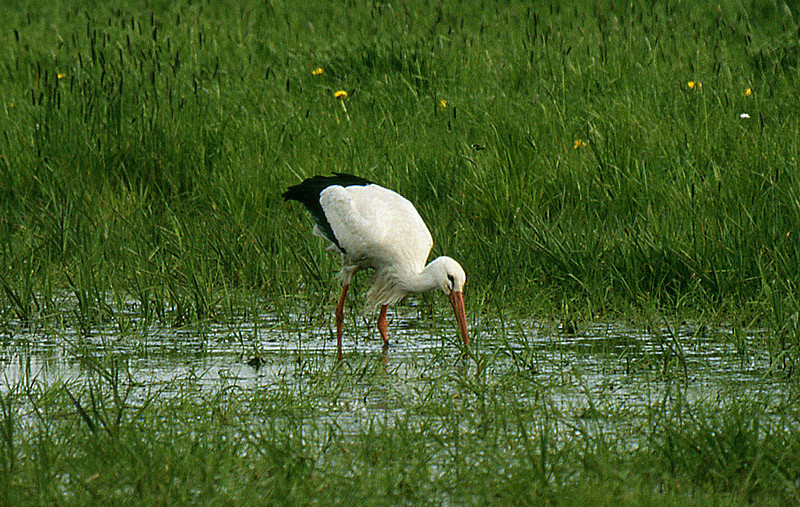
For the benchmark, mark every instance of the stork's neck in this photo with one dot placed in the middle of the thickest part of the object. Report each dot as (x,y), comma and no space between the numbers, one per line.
(427,279)
(395,281)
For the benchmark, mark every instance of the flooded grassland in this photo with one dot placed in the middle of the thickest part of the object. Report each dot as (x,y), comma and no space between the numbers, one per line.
(540,407)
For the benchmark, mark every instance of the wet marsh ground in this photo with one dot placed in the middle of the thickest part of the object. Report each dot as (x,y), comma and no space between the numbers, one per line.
(619,181)
(257,410)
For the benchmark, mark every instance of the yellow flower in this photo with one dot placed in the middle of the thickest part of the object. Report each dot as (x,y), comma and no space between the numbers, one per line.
(694,85)
(443,104)
(579,143)
(61,75)
(317,72)
(340,96)
(748,92)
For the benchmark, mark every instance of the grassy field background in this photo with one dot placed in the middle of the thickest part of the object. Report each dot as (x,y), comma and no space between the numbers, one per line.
(145,147)
(610,159)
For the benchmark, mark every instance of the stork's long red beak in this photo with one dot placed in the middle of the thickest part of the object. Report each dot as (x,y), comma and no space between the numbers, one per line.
(457,302)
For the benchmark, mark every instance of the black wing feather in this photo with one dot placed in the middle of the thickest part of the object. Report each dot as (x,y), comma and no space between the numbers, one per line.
(308,193)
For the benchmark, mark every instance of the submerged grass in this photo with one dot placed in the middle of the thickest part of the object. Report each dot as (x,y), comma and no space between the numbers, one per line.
(630,160)
(367,435)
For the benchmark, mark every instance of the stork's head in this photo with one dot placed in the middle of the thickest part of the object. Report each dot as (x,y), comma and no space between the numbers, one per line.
(451,278)
(449,274)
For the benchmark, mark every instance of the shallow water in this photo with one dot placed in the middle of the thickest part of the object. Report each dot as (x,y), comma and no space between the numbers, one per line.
(591,373)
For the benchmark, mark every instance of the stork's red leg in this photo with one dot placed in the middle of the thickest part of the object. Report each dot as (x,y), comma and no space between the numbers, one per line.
(340,321)
(382,327)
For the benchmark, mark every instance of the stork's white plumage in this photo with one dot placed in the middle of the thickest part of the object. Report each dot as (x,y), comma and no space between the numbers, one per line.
(374,227)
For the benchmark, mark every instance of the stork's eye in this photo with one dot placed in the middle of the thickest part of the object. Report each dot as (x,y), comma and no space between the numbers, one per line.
(452,281)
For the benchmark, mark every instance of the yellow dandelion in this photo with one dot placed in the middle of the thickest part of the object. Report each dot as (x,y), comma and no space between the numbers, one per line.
(443,104)
(694,85)
(61,75)
(10,104)
(317,72)
(579,143)
(748,92)
(340,96)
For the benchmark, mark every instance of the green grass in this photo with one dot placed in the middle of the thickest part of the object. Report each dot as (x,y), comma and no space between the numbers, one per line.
(144,147)
(155,162)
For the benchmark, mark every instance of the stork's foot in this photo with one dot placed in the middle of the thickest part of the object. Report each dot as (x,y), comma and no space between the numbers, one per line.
(385,355)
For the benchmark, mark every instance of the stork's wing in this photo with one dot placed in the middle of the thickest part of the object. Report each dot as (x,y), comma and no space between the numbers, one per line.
(376,225)
(308,192)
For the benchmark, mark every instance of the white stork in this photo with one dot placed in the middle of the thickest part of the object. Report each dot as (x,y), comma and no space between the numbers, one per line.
(373,227)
